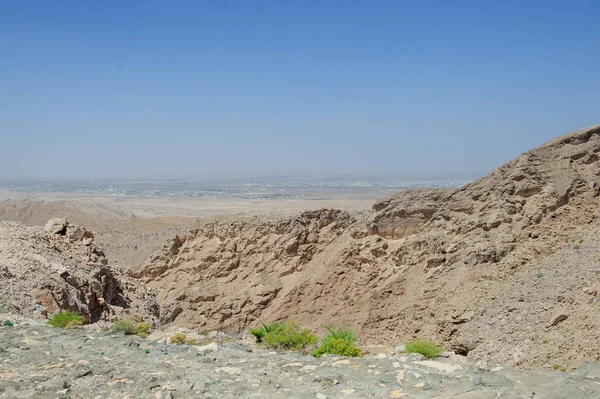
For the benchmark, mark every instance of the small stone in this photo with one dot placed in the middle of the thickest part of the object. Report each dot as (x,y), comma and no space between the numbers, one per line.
(397,393)
(401,348)
(411,357)
(557,318)
(340,362)
(212,347)
(321,396)
(309,367)
(122,380)
(229,370)
(400,377)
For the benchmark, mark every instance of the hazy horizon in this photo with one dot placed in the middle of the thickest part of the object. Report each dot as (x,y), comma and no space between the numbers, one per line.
(426,90)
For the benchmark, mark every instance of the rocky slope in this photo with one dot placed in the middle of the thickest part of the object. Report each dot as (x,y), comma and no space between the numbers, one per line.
(43,271)
(494,269)
(43,362)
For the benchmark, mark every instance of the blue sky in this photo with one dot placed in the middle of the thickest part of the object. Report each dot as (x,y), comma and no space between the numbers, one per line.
(424,89)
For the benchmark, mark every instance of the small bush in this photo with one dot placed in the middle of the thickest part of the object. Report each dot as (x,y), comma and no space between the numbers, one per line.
(125,326)
(66,319)
(178,339)
(259,333)
(427,348)
(143,327)
(558,367)
(338,341)
(182,339)
(337,346)
(540,275)
(284,335)
(130,328)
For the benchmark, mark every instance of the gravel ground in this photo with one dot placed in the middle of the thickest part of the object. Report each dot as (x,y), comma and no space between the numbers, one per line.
(37,361)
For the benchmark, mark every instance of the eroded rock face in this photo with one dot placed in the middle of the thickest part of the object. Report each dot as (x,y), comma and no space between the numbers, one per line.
(415,266)
(59,268)
(227,274)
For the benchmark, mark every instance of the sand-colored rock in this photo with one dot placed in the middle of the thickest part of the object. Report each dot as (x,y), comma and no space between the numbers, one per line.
(59,268)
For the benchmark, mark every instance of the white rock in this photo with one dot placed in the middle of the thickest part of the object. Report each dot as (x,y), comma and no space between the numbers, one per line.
(229,370)
(449,368)
(340,362)
(212,347)
(55,225)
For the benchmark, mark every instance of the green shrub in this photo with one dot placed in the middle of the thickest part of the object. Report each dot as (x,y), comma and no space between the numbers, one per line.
(337,346)
(66,319)
(128,327)
(284,335)
(259,333)
(427,348)
(125,326)
(557,367)
(339,341)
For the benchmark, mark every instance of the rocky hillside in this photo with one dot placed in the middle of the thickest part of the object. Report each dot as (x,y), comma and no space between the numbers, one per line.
(58,267)
(495,269)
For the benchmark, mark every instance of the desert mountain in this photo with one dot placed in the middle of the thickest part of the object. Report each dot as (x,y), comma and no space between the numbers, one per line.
(495,270)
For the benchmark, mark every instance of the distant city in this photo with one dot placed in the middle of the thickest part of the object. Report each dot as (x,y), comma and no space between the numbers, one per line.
(250,188)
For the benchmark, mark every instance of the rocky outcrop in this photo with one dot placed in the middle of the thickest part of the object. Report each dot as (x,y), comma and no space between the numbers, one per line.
(425,263)
(227,274)
(59,268)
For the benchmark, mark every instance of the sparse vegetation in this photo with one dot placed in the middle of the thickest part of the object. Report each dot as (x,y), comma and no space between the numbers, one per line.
(425,347)
(67,319)
(259,333)
(143,329)
(545,341)
(182,339)
(128,327)
(339,341)
(576,245)
(540,275)
(285,335)
(558,367)
(4,308)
